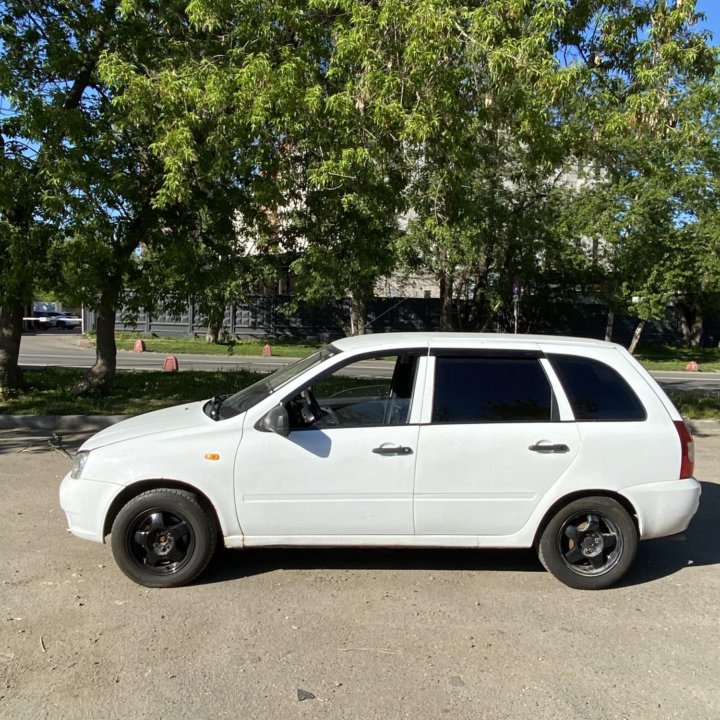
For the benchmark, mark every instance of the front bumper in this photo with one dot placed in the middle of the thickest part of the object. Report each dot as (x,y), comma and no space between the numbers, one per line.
(664,508)
(85,504)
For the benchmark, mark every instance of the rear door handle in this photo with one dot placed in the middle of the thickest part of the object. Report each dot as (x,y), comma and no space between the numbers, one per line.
(547,448)
(392,450)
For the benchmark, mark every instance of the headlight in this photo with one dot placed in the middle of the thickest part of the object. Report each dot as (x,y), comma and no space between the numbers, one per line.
(80,460)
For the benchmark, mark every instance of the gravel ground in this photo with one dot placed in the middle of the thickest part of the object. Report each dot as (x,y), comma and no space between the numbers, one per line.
(347,633)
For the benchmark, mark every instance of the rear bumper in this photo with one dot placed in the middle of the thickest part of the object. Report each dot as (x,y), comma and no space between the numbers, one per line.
(664,508)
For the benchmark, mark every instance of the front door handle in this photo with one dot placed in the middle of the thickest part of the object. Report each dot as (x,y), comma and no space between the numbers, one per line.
(392,450)
(547,448)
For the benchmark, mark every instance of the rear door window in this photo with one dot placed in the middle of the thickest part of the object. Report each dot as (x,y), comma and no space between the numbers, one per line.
(596,391)
(472,389)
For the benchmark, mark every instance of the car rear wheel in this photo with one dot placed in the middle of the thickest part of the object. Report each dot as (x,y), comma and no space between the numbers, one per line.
(589,544)
(163,538)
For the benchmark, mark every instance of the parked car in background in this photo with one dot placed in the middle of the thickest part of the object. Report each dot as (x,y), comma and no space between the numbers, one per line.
(68,321)
(564,445)
(42,319)
(46,319)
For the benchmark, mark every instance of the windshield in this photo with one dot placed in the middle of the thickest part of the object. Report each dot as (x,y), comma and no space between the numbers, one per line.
(253,394)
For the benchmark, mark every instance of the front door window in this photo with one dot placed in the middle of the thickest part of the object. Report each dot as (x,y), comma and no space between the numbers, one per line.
(372,391)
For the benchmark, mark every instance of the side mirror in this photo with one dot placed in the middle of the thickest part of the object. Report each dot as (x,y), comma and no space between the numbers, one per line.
(276,421)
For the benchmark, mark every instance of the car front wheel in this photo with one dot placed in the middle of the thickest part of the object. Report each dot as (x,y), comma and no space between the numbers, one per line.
(589,544)
(163,538)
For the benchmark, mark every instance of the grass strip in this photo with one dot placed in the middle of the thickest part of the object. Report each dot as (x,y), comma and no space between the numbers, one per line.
(49,391)
(666,357)
(696,404)
(253,348)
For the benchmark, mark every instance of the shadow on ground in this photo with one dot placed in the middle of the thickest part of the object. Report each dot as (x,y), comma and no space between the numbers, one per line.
(660,558)
(235,564)
(655,559)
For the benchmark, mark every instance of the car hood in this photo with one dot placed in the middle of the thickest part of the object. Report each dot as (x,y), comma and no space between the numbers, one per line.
(152,423)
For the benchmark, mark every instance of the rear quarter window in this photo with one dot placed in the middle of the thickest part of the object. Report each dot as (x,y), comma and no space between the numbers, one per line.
(597,391)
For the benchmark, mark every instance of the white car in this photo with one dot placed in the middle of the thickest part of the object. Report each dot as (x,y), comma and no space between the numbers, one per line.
(68,321)
(421,439)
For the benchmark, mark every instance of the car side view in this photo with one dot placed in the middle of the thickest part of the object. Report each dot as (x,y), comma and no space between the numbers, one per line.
(564,445)
(68,321)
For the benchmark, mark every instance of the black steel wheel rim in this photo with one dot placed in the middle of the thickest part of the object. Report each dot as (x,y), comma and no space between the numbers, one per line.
(160,541)
(590,543)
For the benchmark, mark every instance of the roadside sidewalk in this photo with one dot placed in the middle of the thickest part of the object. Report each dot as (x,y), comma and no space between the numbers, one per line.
(63,434)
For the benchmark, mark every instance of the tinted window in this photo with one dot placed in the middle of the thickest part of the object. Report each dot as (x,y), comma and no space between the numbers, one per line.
(595,390)
(478,389)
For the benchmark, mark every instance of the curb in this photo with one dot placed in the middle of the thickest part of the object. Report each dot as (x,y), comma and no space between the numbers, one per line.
(68,423)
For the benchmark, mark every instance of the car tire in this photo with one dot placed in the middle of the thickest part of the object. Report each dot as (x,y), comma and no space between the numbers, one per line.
(589,544)
(163,538)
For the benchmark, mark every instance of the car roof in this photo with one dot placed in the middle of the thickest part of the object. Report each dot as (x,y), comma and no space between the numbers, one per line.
(384,341)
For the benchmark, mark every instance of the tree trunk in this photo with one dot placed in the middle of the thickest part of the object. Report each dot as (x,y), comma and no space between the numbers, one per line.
(340,309)
(697,331)
(212,334)
(691,324)
(446,298)
(215,320)
(11,379)
(685,325)
(358,310)
(636,337)
(101,376)
(609,325)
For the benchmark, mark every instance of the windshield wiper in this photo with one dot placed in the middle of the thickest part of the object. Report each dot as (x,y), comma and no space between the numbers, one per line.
(214,410)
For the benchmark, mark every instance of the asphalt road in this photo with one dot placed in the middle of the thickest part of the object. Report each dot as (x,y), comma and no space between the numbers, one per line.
(56,348)
(68,349)
(347,634)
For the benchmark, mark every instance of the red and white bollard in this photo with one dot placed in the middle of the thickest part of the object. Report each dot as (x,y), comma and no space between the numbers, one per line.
(170,364)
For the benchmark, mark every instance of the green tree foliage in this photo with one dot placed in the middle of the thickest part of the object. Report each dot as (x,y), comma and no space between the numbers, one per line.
(345,136)
(435,132)
(317,183)
(645,124)
(48,60)
(88,195)
(79,193)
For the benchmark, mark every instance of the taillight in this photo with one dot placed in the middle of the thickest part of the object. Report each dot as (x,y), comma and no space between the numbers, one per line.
(687,465)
